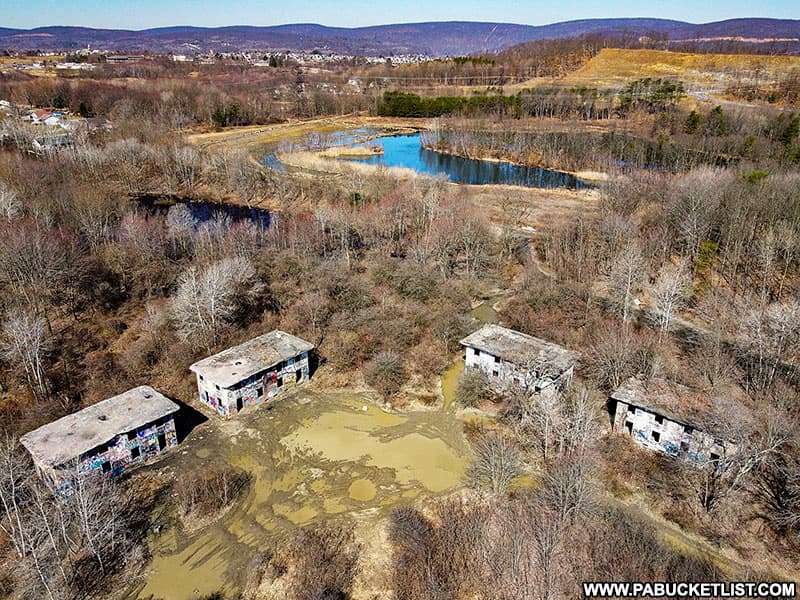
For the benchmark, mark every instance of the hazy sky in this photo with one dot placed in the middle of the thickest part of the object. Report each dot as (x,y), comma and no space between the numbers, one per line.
(140,14)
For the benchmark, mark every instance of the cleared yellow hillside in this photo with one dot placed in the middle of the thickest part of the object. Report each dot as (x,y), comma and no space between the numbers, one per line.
(616,66)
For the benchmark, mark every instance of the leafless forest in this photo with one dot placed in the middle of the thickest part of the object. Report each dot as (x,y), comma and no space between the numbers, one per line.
(682,264)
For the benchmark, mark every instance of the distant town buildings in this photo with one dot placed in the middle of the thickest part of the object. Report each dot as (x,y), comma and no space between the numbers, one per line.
(118,59)
(251,373)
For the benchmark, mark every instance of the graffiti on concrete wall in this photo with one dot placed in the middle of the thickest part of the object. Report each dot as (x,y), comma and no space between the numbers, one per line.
(257,388)
(130,448)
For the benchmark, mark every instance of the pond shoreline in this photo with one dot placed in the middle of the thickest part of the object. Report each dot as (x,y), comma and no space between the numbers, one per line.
(408,150)
(588,177)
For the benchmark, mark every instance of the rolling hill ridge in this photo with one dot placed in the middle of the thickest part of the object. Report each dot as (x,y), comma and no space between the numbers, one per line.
(436,38)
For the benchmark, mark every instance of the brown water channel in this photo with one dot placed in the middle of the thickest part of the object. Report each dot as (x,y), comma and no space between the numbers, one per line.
(482,313)
(313,456)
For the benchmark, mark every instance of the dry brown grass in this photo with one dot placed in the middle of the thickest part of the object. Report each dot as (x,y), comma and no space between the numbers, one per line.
(251,137)
(27,60)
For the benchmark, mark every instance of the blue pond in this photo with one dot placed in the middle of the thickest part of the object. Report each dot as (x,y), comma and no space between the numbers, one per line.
(406,151)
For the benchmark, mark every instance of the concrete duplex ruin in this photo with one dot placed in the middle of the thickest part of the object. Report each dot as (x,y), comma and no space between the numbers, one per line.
(251,373)
(666,417)
(105,438)
(511,358)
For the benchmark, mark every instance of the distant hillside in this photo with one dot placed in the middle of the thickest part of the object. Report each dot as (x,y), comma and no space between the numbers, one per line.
(438,39)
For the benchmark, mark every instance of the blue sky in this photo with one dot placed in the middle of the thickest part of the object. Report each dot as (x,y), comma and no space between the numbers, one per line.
(140,14)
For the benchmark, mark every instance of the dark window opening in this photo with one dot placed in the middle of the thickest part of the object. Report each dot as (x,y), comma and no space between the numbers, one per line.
(259,392)
(298,375)
(688,430)
(714,457)
(136,451)
(497,359)
(239,403)
(162,441)
(656,436)
(629,427)
(659,419)
(280,381)
(494,373)
(131,435)
(684,447)
(106,467)
(477,352)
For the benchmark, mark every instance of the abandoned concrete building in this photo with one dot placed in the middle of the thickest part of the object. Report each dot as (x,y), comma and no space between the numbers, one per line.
(510,358)
(667,417)
(248,374)
(107,437)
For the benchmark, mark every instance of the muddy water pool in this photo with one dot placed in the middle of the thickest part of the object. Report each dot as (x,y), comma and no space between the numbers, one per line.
(313,456)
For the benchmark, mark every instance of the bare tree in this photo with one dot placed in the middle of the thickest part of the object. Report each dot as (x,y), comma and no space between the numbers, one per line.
(14,475)
(386,372)
(495,465)
(558,425)
(66,541)
(745,450)
(770,336)
(10,203)
(209,297)
(626,273)
(670,292)
(697,196)
(25,342)
(616,354)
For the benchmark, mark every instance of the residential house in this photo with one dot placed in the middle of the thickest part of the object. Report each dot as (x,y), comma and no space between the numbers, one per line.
(513,359)
(105,438)
(667,417)
(51,118)
(253,372)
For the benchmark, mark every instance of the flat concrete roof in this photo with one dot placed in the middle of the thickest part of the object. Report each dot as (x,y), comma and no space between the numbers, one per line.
(672,400)
(521,349)
(236,364)
(67,438)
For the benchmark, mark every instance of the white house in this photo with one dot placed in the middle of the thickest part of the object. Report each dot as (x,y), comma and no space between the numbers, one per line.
(253,372)
(667,417)
(510,358)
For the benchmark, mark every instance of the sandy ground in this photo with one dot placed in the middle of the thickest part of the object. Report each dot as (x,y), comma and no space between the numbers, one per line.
(615,67)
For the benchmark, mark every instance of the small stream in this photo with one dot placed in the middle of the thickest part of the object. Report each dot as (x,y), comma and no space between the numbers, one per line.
(483,313)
